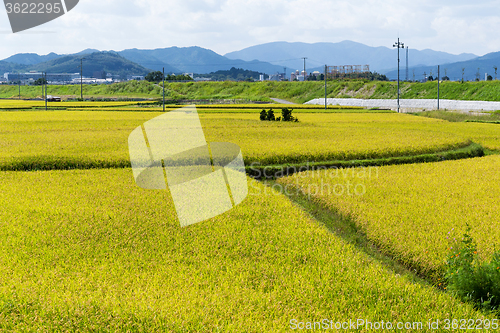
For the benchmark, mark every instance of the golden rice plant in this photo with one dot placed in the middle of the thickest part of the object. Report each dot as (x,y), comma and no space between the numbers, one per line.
(415,211)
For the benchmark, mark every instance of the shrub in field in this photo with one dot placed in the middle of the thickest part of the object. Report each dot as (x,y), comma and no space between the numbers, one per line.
(270,115)
(286,115)
(472,280)
(263,115)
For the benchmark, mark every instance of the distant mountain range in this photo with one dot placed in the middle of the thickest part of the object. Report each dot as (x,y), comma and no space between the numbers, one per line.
(267,58)
(30,58)
(381,59)
(110,62)
(471,68)
(133,62)
(192,59)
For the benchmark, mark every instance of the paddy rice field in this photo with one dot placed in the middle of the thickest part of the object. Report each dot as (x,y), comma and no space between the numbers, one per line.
(83,248)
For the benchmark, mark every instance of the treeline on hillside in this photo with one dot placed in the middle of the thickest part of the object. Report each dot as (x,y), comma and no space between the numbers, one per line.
(157,76)
(370,76)
(233,74)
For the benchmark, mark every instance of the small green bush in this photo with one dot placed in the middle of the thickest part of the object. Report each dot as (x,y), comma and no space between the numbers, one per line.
(286,115)
(270,115)
(472,280)
(263,115)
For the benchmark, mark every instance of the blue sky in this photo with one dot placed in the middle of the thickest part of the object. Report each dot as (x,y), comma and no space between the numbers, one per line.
(228,25)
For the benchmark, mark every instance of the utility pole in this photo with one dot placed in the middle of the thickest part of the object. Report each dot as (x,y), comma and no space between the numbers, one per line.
(305,73)
(163,89)
(19,84)
(399,45)
(438,87)
(407,63)
(325,84)
(81,78)
(284,72)
(45,82)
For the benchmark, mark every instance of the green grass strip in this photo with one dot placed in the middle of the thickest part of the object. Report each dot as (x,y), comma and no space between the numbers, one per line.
(39,163)
(45,163)
(277,171)
(483,121)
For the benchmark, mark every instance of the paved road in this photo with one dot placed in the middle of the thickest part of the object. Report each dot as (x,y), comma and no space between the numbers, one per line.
(411,105)
(282,101)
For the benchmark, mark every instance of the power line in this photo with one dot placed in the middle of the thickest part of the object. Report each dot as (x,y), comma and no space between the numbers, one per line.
(399,45)
(81,78)
(406,63)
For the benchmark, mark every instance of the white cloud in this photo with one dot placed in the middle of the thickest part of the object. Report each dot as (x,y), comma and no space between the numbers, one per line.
(228,25)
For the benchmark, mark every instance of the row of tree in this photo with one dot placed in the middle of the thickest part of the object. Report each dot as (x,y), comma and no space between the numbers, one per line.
(233,74)
(157,76)
(286,115)
(371,76)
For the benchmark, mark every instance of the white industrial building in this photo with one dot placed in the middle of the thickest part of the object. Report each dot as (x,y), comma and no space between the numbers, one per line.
(26,78)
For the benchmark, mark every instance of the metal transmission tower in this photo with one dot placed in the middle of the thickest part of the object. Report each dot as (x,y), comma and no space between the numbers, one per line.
(399,45)
(407,63)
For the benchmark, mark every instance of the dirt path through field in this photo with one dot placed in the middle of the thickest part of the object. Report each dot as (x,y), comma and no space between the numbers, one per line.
(282,101)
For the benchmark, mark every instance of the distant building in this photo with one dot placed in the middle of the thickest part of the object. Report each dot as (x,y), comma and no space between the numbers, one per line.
(87,80)
(189,74)
(137,77)
(100,75)
(51,98)
(26,78)
(275,77)
(297,75)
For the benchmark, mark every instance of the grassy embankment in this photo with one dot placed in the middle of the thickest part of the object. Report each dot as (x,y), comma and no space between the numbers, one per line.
(298,92)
